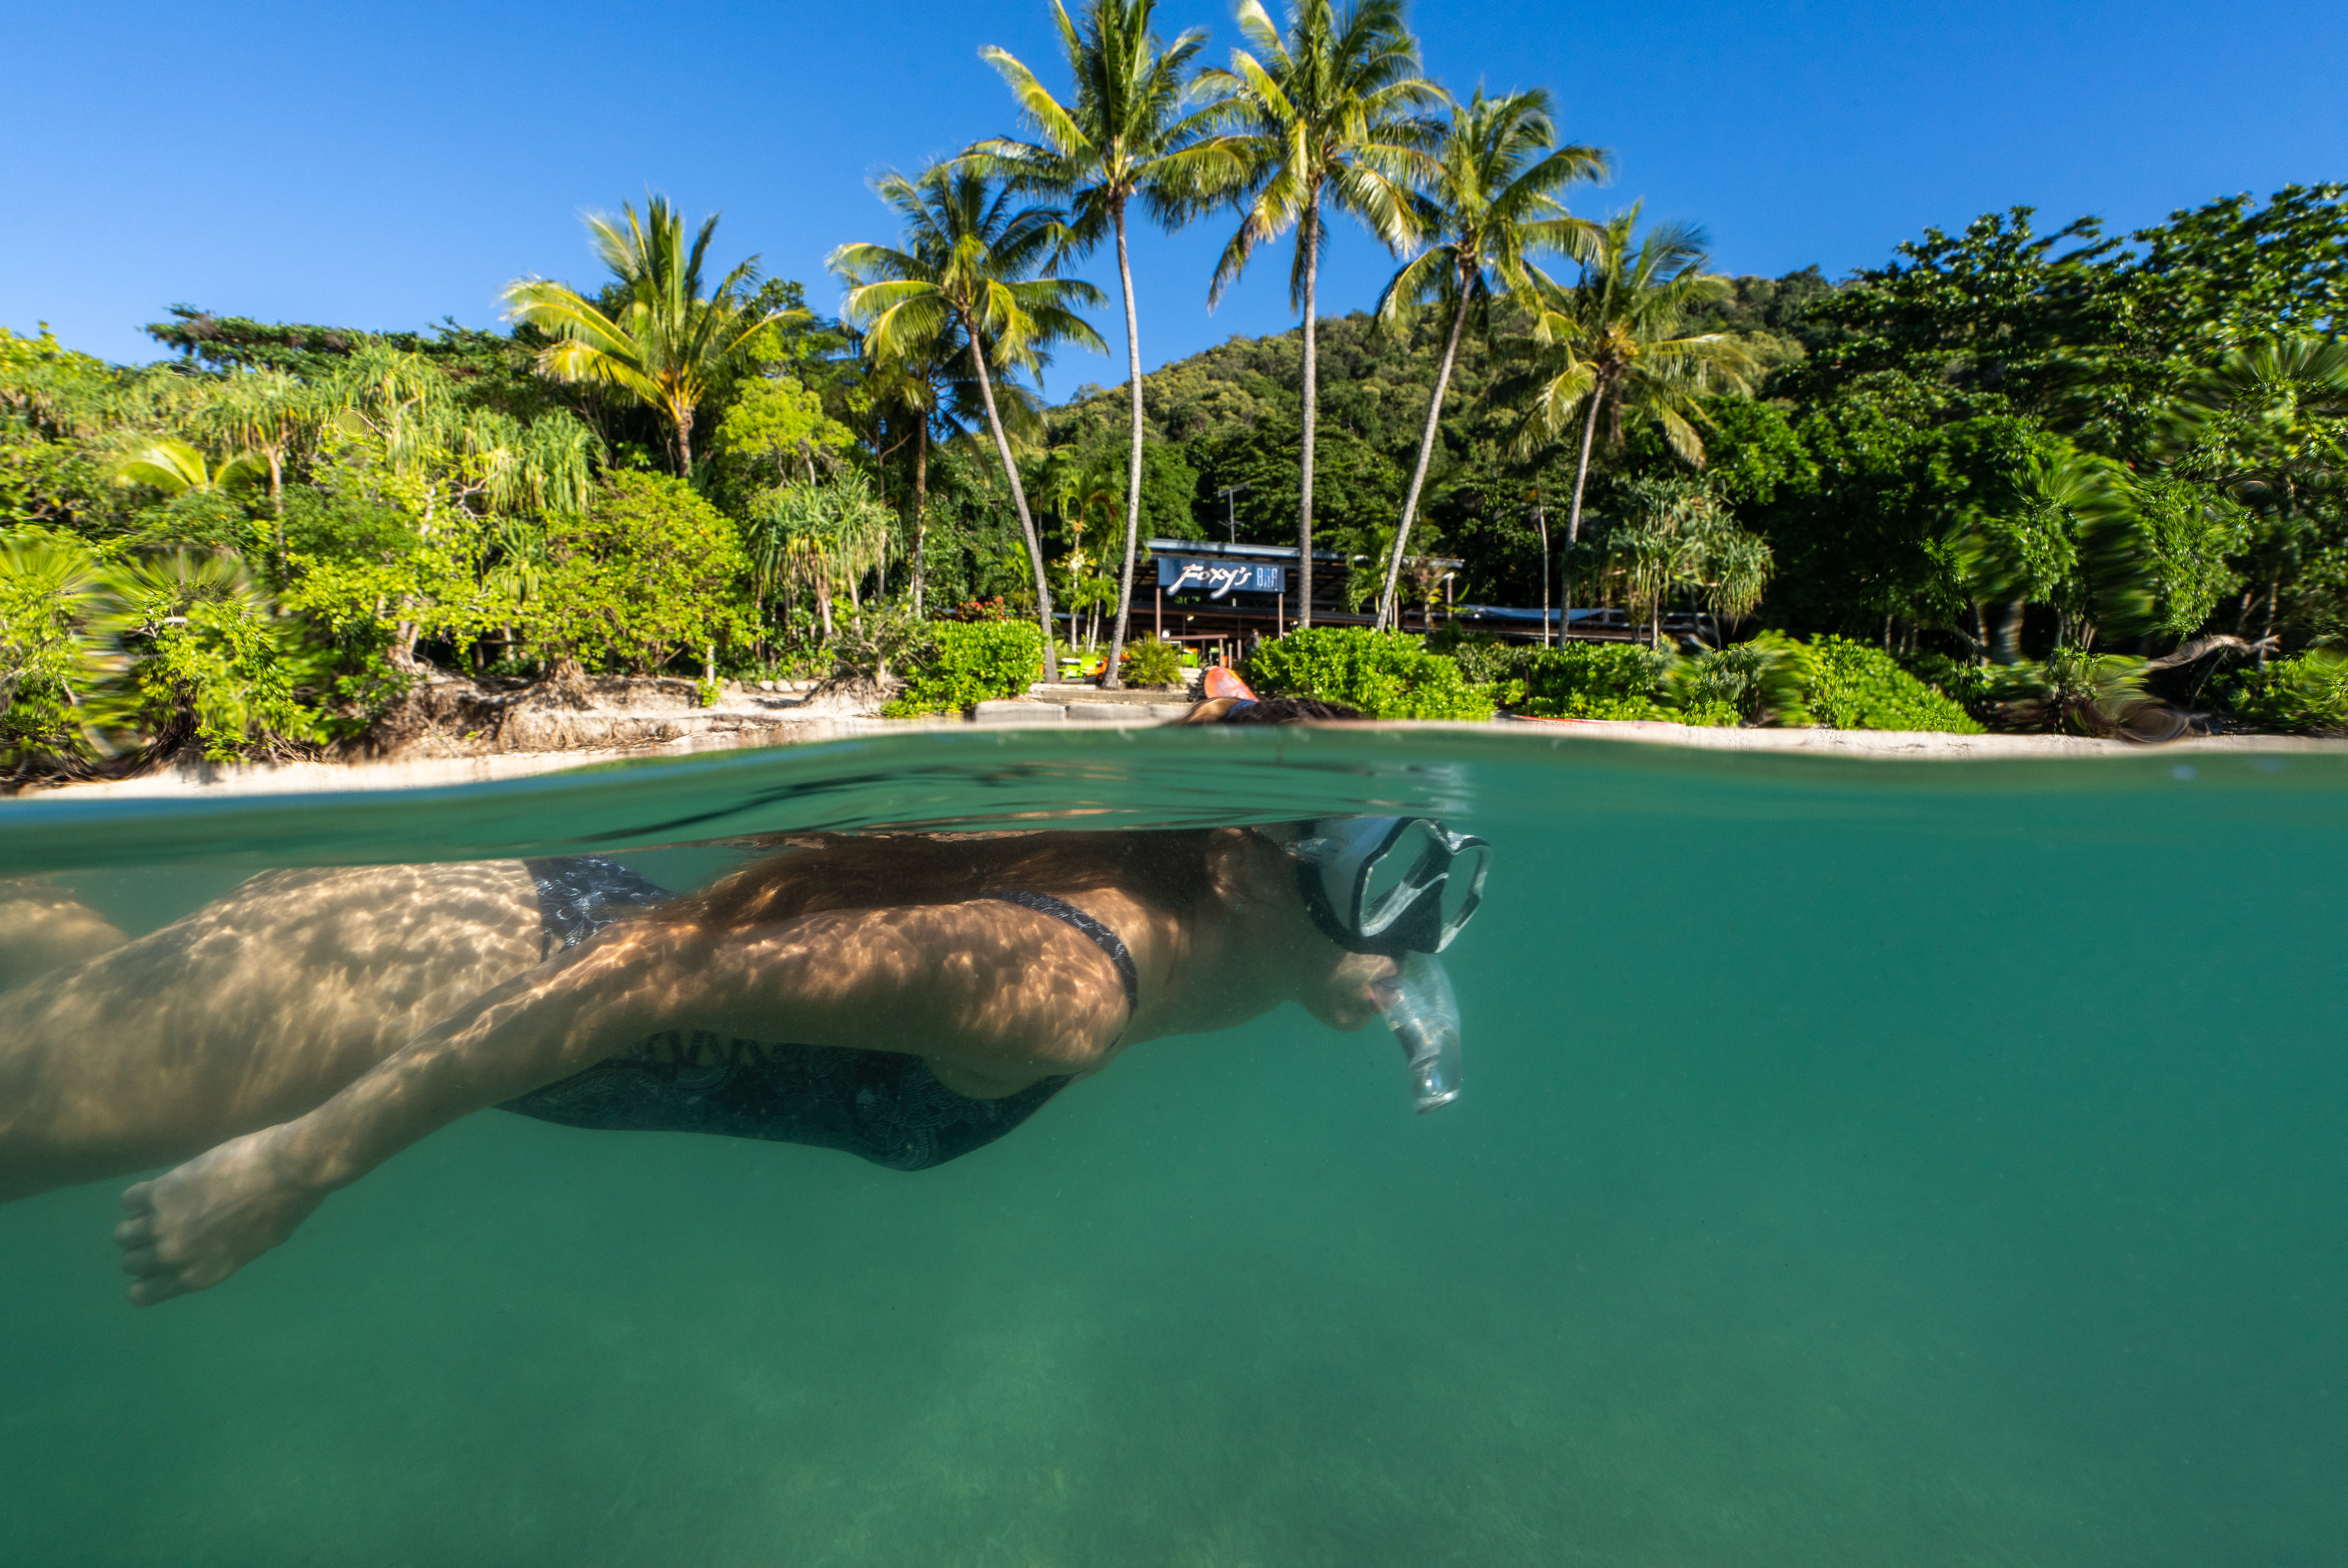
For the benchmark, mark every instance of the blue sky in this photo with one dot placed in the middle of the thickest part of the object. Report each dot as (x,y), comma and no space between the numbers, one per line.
(383,166)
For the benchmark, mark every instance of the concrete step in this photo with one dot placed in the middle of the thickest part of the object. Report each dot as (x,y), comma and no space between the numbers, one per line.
(1025,711)
(1113,712)
(1020,711)
(1086,692)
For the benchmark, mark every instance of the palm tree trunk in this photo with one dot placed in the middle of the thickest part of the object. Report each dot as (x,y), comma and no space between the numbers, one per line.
(1573,520)
(277,496)
(1581,472)
(684,443)
(1389,611)
(1019,495)
(1308,236)
(1540,521)
(921,504)
(1111,678)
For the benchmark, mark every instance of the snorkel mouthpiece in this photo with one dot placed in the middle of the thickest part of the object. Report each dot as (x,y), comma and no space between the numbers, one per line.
(1418,1005)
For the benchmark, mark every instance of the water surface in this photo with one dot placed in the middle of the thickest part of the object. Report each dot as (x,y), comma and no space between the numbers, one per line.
(1860,1163)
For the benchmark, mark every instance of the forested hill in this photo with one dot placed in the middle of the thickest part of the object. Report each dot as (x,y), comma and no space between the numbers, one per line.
(1231,417)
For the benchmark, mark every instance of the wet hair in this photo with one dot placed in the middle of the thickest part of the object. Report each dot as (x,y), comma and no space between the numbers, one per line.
(1168,870)
(1269,710)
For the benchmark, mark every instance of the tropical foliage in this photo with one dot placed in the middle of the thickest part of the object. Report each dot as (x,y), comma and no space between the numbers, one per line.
(962,663)
(1130,133)
(665,341)
(1327,114)
(2018,476)
(971,261)
(1385,677)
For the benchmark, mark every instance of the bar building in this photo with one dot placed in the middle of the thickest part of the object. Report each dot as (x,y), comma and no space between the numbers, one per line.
(1224,597)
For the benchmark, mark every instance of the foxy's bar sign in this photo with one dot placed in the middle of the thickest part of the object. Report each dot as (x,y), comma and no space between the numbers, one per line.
(1188,574)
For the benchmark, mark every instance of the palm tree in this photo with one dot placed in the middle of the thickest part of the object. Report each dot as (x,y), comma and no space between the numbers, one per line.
(969,258)
(1491,206)
(1612,346)
(668,339)
(1327,114)
(1125,135)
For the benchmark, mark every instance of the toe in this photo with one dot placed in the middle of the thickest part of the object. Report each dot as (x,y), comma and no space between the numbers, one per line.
(138,1230)
(159,1288)
(140,1197)
(142,1260)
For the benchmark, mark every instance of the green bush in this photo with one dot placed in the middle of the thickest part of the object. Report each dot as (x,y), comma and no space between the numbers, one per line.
(1591,680)
(2306,695)
(1484,659)
(1385,675)
(649,571)
(1761,681)
(964,662)
(1151,663)
(1854,686)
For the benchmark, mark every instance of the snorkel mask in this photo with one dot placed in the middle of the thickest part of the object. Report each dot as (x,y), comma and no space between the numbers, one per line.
(1397,886)
(1401,887)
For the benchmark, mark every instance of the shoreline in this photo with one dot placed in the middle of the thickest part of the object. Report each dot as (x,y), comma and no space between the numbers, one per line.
(797,721)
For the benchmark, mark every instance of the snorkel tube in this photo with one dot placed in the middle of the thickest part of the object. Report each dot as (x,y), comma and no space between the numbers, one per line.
(1418,1005)
(1400,888)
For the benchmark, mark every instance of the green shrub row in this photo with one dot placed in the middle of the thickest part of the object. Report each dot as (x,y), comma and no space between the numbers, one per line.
(1385,675)
(961,664)
(1591,681)
(1857,686)
(1770,679)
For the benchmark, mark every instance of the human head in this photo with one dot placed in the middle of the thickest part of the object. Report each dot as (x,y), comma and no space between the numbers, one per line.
(1228,700)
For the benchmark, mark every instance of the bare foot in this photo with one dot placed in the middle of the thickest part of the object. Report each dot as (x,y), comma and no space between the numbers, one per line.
(195,1225)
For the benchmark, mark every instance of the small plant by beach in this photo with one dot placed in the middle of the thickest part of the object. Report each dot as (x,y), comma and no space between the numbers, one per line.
(1761,681)
(1152,662)
(1595,680)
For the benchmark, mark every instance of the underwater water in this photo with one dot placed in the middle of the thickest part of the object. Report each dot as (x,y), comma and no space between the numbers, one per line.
(1859,1163)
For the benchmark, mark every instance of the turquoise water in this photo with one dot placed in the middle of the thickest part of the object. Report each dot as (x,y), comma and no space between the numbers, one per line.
(1859,1163)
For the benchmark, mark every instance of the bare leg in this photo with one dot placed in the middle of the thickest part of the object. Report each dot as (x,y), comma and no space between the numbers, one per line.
(247,1013)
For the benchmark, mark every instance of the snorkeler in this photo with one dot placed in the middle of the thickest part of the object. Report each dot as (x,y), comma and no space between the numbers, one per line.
(936,989)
